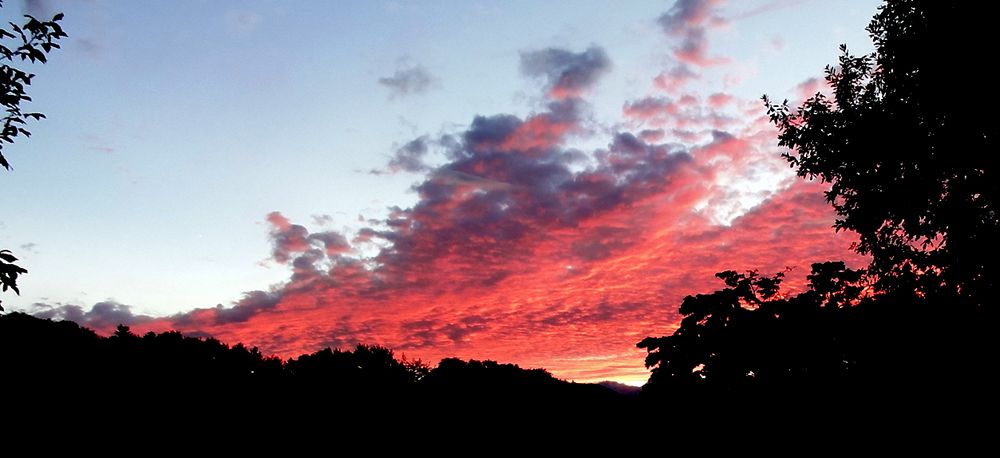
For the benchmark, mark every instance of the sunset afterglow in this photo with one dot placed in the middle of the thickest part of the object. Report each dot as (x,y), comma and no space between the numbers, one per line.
(549,203)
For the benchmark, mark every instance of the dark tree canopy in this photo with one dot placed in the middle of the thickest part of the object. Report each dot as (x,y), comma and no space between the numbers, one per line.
(911,162)
(907,147)
(839,339)
(749,335)
(170,367)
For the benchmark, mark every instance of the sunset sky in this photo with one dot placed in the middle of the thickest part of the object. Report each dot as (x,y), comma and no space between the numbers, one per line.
(535,182)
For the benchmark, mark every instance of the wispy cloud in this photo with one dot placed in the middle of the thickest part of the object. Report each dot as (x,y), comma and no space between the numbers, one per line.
(409,80)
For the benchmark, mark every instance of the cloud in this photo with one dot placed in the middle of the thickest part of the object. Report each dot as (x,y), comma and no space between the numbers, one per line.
(252,304)
(688,116)
(524,246)
(29,247)
(321,220)
(409,158)
(777,43)
(810,87)
(652,135)
(515,251)
(102,315)
(649,108)
(408,81)
(689,22)
(675,79)
(334,243)
(431,332)
(767,7)
(685,14)
(244,21)
(567,74)
(98,143)
(37,8)
(286,238)
(290,241)
(720,100)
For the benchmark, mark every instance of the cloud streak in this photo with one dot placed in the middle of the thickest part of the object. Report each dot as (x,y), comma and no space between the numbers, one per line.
(102,316)
(408,81)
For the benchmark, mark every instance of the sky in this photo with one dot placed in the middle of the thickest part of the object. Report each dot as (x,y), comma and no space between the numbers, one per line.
(531,182)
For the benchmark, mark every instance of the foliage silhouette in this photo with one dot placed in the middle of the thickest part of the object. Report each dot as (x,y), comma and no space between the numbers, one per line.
(368,367)
(171,368)
(911,167)
(9,272)
(910,160)
(31,41)
(748,335)
(840,338)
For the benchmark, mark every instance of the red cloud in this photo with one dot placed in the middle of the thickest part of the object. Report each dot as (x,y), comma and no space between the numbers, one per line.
(518,250)
(538,133)
(515,257)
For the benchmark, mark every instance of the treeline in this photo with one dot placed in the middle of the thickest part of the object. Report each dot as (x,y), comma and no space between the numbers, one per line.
(842,338)
(45,356)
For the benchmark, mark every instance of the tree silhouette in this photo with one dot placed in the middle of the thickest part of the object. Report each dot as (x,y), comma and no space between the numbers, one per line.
(911,161)
(9,272)
(911,169)
(173,369)
(31,41)
(748,335)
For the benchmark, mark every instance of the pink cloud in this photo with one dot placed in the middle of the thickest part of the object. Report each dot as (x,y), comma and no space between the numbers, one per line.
(519,250)
(811,87)
(649,108)
(287,238)
(554,268)
(673,80)
(720,100)
(689,21)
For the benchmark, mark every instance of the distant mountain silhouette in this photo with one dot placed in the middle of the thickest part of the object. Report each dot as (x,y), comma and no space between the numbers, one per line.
(621,388)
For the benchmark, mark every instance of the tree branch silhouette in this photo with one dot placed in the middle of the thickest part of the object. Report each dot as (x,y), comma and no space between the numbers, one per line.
(31,41)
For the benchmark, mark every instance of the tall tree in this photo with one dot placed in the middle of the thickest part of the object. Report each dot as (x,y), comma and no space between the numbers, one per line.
(907,147)
(30,41)
(911,163)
